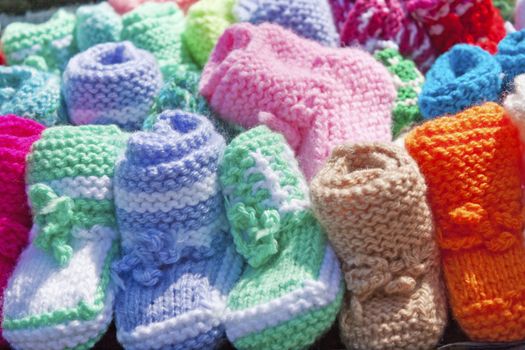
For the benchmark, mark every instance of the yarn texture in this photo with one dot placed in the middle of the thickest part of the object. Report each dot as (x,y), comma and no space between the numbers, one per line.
(396,299)
(112,83)
(471,164)
(291,291)
(68,301)
(123,6)
(179,261)
(97,24)
(316,96)
(463,77)
(519,15)
(515,106)
(511,53)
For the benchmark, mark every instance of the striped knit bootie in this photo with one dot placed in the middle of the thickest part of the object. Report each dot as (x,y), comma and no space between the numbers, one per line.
(292,289)
(316,96)
(16,137)
(97,24)
(52,41)
(463,77)
(179,261)
(371,199)
(111,83)
(60,296)
(310,19)
(32,94)
(471,164)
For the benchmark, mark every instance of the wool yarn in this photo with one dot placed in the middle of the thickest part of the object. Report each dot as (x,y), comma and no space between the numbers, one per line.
(471,164)
(511,53)
(16,137)
(506,8)
(311,19)
(60,295)
(123,6)
(292,289)
(205,22)
(392,271)
(32,94)
(408,81)
(157,28)
(51,40)
(96,24)
(450,22)
(463,77)
(179,261)
(515,106)
(2,56)
(316,96)
(519,15)
(111,83)
(370,22)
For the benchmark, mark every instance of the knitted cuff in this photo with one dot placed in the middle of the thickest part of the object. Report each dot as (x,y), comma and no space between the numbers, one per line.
(97,24)
(511,53)
(461,78)
(112,83)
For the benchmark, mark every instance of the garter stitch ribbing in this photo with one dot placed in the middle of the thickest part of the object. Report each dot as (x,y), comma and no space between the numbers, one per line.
(371,199)
(16,137)
(311,19)
(471,164)
(316,96)
(96,24)
(291,291)
(463,77)
(111,83)
(60,296)
(32,94)
(179,261)
(52,40)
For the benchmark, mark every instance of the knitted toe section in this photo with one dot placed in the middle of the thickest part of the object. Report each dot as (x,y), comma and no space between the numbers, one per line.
(111,83)
(96,24)
(463,77)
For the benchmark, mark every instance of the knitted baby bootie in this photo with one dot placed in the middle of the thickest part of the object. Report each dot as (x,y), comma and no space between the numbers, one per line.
(369,22)
(511,53)
(310,19)
(371,199)
(60,295)
(32,94)
(316,96)
(408,81)
(112,83)
(16,137)
(292,289)
(205,23)
(52,40)
(123,6)
(506,8)
(97,24)
(179,262)
(471,164)
(463,77)
(157,28)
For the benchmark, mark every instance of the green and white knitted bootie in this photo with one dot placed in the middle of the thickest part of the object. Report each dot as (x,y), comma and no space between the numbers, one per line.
(408,81)
(60,295)
(52,41)
(292,289)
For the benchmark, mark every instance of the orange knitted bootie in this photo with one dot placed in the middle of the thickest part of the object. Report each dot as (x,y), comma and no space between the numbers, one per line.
(471,163)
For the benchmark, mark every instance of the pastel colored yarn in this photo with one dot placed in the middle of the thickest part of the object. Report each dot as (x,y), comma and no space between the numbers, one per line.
(182,92)
(408,81)
(506,8)
(311,19)
(60,296)
(111,83)
(123,6)
(30,93)
(205,22)
(52,40)
(97,24)
(511,53)
(157,28)
(519,15)
(369,22)
(463,77)
(396,299)
(179,261)
(316,96)
(16,137)
(450,22)
(471,164)
(292,289)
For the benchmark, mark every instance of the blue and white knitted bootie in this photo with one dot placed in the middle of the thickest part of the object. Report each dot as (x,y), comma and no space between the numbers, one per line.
(111,83)
(179,262)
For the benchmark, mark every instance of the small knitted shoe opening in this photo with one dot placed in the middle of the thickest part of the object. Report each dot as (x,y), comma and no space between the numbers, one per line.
(184,123)
(121,54)
(462,61)
(367,158)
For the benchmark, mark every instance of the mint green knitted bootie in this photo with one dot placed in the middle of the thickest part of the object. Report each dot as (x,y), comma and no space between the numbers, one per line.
(292,289)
